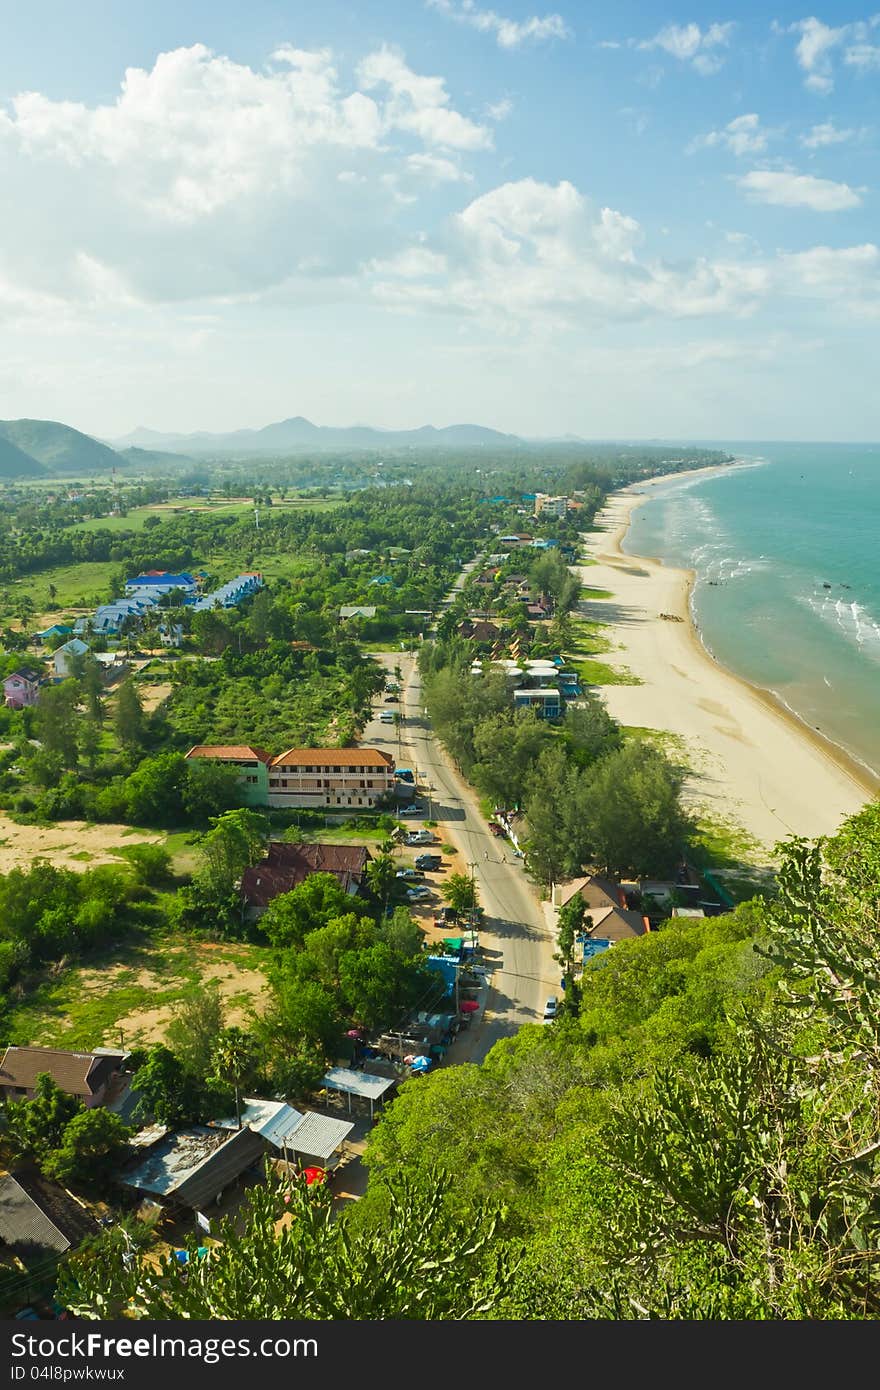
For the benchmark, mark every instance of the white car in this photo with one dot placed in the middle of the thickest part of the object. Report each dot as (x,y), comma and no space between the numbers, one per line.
(416,895)
(414,809)
(550,1010)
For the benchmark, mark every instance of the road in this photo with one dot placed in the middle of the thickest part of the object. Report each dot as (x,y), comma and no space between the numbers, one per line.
(515,939)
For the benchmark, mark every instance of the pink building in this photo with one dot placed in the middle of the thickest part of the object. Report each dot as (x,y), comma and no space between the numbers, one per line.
(22,687)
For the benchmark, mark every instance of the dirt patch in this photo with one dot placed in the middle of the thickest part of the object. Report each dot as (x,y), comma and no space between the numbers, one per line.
(72,844)
(153,695)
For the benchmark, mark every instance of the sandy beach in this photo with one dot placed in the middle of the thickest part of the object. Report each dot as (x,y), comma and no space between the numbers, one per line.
(753,763)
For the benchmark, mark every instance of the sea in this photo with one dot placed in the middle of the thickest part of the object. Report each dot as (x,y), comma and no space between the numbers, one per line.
(785,547)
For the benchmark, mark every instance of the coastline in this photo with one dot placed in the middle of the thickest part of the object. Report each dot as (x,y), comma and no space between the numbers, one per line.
(756,762)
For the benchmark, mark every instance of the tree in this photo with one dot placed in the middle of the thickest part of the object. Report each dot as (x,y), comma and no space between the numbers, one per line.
(91,1142)
(236,840)
(402,932)
(381,877)
(570,921)
(312,904)
(35,1127)
(92,686)
(590,730)
(460,891)
(57,719)
(506,747)
(171,1096)
(209,789)
(299,1034)
(196,1024)
(128,720)
(632,811)
(233,1059)
(422,1263)
(154,791)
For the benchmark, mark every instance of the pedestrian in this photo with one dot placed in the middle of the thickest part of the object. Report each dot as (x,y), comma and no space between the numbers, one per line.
(486,854)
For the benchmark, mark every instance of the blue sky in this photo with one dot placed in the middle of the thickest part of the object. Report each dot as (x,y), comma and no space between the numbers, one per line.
(650,221)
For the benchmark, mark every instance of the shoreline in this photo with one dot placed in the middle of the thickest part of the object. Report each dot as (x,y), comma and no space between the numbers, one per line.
(755,750)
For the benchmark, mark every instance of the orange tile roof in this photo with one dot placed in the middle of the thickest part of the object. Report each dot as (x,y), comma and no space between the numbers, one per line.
(332,757)
(229,752)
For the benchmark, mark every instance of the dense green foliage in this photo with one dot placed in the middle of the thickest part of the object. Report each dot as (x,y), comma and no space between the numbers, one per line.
(67,1141)
(702,1139)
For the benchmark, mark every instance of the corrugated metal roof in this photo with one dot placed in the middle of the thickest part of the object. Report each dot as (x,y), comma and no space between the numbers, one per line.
(318,1135)
(357,1083)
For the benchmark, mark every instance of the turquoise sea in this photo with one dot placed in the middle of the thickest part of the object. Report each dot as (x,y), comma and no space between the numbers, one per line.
(786,553)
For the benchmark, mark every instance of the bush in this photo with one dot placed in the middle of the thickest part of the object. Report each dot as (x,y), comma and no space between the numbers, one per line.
(24,804)
(151,863)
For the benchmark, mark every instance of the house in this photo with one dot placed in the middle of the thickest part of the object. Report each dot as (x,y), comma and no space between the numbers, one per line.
(546,701)
(191,1167)
(40,1221)
(286,866)
(357,610)
(479,632)
(92,1077)
(22,688)
(606,905)
(382,579)
(161,582)
(63,659)
(56,630)
(302,1136)
(253,765)
(171,635)
(230,595)
(330,777)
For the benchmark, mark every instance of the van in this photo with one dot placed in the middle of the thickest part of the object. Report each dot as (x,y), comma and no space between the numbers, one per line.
(387,716)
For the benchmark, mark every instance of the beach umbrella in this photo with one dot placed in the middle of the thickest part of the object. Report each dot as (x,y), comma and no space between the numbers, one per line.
(421,1063)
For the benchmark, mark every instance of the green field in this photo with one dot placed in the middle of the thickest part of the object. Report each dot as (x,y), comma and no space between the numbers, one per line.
(109,999)
(82,585)
(591,642)
(135,518)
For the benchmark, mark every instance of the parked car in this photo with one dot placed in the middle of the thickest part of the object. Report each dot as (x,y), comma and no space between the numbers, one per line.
(415,808)
(419,837)
(387,716)
(418,894)
(550,1010)
(446,916)
(391,699)
(429,861)
(408,874)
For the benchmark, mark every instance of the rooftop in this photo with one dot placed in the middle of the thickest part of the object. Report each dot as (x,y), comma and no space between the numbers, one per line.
(332,757)
(230,752)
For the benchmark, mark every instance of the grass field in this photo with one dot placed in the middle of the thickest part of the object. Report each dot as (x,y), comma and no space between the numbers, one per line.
(83,585)
(590,642)
(126,996)
(136,517)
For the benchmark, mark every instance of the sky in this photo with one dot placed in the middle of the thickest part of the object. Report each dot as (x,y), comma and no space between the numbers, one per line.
(652,220)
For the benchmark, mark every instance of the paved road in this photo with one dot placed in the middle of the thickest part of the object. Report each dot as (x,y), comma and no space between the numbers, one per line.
(516,940)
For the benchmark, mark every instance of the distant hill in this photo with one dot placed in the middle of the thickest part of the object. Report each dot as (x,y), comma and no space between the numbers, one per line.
(15,463)
(151,458)
(296,434)
(61,448)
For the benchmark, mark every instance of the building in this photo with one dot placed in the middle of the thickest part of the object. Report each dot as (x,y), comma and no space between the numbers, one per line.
(22,688)
(302,1136)
(252,763)
(64,657)
(230,595)
(286,866)
(161,582)
(56,630)
(92,1077)
(357,610)
(479,632)
(191,1167)
(545,505)
(319,777)
(546,701)
(40,1221)
(606,905)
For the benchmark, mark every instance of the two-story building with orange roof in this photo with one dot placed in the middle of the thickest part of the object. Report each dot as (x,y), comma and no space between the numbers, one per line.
(330,777)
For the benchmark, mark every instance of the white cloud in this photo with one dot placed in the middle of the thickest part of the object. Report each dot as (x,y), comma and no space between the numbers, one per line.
(500,110)
(820,136)
(741,136)
(849,276)
(509,33)
(817,44)
(420,105)
(534,253)
(208,177)
(793,190)
(691,44)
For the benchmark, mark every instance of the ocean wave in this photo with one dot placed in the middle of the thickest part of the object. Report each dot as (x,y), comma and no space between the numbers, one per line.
(849,617)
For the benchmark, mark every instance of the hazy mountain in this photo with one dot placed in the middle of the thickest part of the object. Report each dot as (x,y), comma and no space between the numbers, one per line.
(150,458)
(298,434)
(15,464)
(61,448)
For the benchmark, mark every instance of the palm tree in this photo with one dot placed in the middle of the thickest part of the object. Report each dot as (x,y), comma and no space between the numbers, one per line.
(234,1059)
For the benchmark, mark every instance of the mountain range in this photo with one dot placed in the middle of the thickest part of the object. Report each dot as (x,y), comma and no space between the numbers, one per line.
(40,448)
(299,434)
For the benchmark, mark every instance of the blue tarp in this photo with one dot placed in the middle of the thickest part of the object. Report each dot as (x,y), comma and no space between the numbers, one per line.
(446,967)
(594,945)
